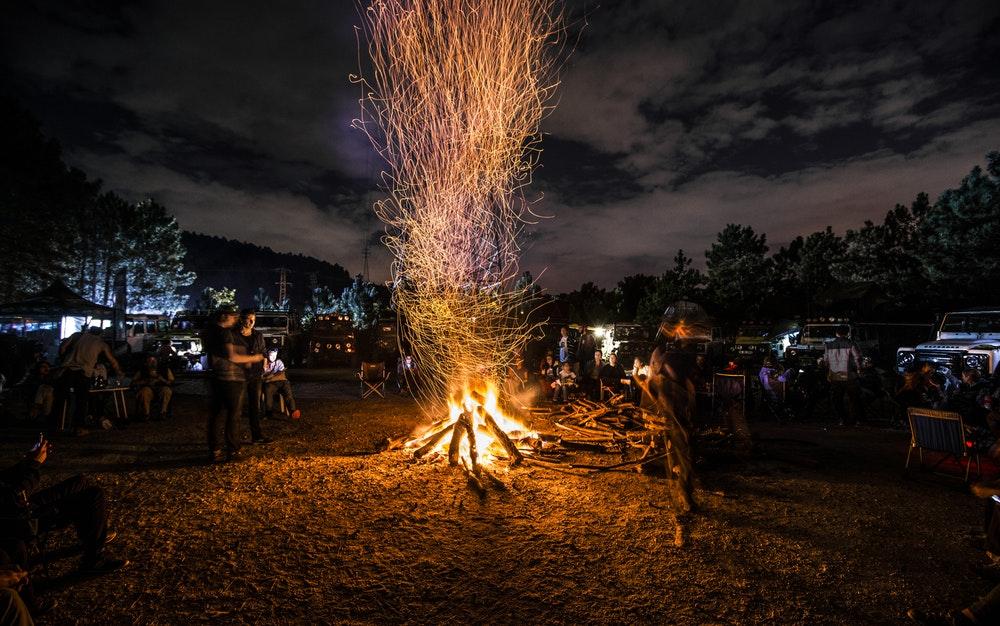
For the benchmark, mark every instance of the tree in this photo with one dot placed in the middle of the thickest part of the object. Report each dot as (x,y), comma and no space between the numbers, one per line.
(57,224)
(212,298)
(630,292)
(739,271)
(590,304)
(959,249)
(680,282)
(364,302)
(886,255)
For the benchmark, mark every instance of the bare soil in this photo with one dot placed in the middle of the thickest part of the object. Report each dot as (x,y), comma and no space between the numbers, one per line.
(320,527)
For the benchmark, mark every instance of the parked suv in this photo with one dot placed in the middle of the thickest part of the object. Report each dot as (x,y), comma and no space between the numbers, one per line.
(968,339)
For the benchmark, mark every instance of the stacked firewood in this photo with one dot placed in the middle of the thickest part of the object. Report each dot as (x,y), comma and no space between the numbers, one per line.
(615,426)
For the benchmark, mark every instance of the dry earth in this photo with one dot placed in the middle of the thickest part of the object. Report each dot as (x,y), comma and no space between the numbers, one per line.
(318,528)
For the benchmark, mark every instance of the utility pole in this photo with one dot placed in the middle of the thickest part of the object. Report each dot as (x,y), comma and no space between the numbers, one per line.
(283,285)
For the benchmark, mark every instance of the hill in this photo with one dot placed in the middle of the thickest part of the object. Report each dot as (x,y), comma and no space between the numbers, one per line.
(221,262)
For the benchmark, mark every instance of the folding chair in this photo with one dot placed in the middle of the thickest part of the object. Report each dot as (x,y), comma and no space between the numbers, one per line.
(373,377)
(940,431)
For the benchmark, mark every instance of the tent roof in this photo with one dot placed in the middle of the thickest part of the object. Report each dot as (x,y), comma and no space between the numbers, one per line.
(56,300)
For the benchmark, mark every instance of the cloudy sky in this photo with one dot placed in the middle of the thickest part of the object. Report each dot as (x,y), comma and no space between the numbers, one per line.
(673,119)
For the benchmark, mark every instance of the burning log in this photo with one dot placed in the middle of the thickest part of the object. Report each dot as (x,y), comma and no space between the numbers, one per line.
(432,441)
(508,445)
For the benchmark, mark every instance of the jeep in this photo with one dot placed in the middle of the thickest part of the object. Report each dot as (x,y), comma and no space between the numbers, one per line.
(968,339)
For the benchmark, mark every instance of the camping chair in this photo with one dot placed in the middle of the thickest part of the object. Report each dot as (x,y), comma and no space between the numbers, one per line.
(373,377)
(940,431)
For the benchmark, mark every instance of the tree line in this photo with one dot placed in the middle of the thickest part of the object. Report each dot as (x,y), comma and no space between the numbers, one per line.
(920,259)
(58,224)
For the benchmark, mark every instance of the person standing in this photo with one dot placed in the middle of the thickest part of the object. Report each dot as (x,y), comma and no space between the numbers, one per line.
(253,341)
(564,355)
(585,348)
(79,359)
(843,360)
(226,358)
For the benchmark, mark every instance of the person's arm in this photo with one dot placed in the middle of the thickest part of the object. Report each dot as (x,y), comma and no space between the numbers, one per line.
(111,359)
(242,359)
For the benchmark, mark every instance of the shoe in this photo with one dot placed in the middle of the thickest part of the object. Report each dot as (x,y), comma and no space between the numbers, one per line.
(80,432)
(233,455)
(262,441)
(111,536)
(103,565)
(217,456)
(296,414)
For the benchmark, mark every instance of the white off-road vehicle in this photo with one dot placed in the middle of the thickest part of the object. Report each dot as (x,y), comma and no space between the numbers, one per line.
(968,339)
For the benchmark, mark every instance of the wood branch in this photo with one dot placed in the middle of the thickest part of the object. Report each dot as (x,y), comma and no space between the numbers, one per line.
(433,441)
(508,445)
(605,468)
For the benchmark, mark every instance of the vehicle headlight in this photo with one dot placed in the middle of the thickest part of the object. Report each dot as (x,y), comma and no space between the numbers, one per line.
(905,358)
(975,361)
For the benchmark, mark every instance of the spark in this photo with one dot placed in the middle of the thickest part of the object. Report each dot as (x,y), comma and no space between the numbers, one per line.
(454,95)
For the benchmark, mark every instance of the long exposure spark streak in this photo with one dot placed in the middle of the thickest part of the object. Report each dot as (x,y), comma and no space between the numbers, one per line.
(454,98)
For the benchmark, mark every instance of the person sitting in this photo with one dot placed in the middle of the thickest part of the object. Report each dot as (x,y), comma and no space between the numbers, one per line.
(638,374)
(406,373)
(72,502)
(612,375)
(153,382)
(565,384)
(547,373)
(276,384)
(40,385)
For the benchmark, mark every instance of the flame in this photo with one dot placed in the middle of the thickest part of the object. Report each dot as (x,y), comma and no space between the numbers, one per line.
(475,402)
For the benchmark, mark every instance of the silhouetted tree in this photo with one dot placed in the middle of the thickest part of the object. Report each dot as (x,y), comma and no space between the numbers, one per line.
(739,271)
(680,282)
(960,234)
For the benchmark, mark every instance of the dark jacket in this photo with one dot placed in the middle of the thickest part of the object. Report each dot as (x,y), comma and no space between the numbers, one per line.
(16,482)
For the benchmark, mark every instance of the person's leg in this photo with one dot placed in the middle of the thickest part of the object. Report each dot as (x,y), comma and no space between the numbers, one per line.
(253,407)
(74,501)
(48,398)
(81,391)
(234,393)
(145,396)
(13,612)
(837,400)
(853,390)
(270,390)
(286,391)
(215,408)
(166,394)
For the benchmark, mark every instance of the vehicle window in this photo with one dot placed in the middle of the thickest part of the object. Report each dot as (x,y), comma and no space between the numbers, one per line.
(971,323)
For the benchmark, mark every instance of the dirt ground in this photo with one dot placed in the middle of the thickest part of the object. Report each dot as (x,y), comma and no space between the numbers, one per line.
(321,528)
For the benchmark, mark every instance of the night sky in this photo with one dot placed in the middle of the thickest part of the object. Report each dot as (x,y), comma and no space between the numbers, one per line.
(673,119)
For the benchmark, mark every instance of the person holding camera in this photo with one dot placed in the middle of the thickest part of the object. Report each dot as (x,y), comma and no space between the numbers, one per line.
(72,502)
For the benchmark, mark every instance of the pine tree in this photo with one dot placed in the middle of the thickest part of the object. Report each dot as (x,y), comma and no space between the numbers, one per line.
(959,250)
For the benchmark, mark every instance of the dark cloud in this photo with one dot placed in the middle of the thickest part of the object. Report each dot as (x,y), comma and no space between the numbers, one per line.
(672,119)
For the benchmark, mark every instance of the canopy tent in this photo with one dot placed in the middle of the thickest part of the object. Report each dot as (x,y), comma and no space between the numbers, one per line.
(56,300)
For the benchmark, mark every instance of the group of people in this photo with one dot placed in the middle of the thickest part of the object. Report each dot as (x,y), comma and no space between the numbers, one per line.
(588,373)
(242,371)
